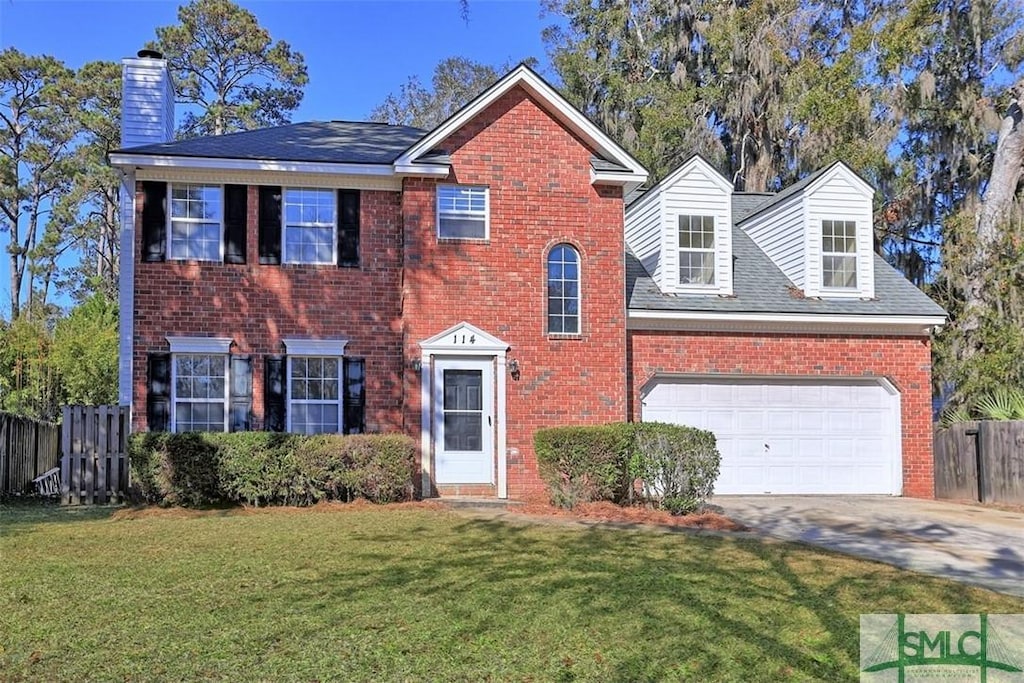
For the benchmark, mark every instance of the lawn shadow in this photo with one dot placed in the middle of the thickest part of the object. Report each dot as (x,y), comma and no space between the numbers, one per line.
(686,623)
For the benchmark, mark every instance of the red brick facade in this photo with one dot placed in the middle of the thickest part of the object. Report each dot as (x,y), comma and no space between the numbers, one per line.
(904,361)
(541,195)
(259,305)
(411,286)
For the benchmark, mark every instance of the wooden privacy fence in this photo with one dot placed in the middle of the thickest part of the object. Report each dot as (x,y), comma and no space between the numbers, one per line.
(28,448)
(981,461)
(94,464)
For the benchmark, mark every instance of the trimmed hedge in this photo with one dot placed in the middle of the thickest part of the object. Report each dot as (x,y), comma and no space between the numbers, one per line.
(669,466)
(263,468)
(673,467)
(584,464)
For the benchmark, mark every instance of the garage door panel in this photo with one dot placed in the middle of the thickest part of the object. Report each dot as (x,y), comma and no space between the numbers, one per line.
(790,437)
(811,422)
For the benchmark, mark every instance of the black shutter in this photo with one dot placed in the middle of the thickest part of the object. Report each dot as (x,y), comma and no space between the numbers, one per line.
(348,228)
(355,396)
(241,394)
(270,225)
(235,223)
(158,392)
(154,221)
(273,394)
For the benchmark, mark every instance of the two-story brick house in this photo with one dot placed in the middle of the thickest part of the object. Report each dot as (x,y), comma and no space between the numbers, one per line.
(471,284)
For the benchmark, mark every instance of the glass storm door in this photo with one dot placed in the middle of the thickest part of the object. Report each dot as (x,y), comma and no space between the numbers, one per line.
(464,421)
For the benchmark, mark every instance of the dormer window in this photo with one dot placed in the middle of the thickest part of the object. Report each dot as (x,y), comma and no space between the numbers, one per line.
(696,250)
(839,254)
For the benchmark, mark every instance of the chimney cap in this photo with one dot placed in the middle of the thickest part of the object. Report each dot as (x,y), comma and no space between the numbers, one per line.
(147,53)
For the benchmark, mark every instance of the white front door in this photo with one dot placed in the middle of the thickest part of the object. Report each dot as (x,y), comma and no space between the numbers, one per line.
(464,420)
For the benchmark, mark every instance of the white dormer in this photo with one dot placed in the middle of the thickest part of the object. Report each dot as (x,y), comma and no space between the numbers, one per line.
(681,230)
(818,232)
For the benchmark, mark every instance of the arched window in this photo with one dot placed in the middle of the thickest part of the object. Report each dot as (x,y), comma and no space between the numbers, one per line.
(563,290)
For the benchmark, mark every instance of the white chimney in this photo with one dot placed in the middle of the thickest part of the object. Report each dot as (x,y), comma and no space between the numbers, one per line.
(147,118)
(147,103)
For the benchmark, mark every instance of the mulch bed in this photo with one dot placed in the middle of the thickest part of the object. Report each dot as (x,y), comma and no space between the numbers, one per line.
(610,512)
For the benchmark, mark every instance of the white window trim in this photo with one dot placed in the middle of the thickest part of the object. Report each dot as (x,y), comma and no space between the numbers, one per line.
(464,214)
(698,286)
(284,227)
(579,293)
(315,347)
(855,255)
(174,386)
(200,344)
(288,389)
(169,219)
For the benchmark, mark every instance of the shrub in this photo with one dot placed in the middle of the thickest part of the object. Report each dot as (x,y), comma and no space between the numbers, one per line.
(674,467)
(378,467)
(670,466)
(175,469)
(583,464)
(262,468)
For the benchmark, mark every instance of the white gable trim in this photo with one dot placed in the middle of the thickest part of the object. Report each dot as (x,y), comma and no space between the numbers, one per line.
(315,347)
(200,344)
(464,339)
(840,168)
(557,105)
(698,161)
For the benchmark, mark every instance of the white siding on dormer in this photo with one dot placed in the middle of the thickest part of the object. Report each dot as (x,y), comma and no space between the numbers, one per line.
(643,233)
(652,225)
(697,192)
(147,107)
(840,195)
(780,232)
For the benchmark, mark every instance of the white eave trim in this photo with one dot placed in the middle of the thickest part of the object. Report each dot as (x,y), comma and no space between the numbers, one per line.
(639,319)
(439,170)
(315,347)
(200,344)
(616,178)
(127,160)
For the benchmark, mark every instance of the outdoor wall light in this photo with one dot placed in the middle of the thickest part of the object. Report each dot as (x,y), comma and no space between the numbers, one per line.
(416,364)
(513,369)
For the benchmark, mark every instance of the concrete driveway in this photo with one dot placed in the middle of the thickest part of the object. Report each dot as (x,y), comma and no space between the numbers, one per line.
(971,544)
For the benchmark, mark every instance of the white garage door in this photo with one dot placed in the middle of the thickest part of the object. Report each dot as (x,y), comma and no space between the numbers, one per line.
(791,436)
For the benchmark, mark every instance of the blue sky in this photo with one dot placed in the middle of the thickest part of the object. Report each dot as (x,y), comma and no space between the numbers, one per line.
(356,51)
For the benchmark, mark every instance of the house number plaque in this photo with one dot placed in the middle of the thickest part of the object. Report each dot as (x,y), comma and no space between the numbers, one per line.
(462,339)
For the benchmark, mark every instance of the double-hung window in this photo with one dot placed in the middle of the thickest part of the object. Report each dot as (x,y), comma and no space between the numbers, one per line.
(563,290)
(839,254)
(196,219)
(310,225)
(696,250)
(463,212)
(200,399)
(314,394)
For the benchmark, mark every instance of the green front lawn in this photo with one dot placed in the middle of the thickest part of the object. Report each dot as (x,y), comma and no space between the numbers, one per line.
(419,594)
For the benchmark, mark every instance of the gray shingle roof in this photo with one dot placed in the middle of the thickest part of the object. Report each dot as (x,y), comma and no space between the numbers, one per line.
(747,203)
(760,287)
(342,142)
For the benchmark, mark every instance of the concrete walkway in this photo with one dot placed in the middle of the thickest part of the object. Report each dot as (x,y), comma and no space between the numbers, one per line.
(970,544)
